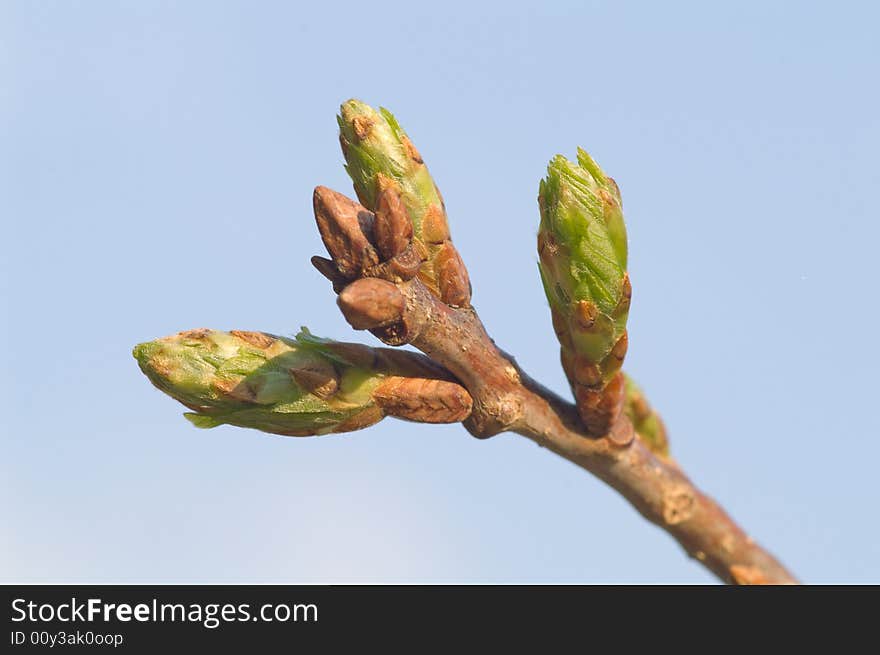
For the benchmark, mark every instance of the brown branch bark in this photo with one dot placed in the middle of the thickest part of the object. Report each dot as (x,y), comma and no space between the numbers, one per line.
(506,399)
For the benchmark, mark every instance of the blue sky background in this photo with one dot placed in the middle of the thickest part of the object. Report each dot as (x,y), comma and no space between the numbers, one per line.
(156,167)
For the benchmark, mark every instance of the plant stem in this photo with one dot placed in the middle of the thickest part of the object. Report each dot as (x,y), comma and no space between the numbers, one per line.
(506,399)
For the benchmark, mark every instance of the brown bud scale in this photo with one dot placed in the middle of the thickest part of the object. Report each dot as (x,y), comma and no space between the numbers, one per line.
(423,400)
(346,229)
(411,151)
(326,267)
(258,339)
(199,334)
(620,348)
(370,303)
(560,327)
(401,268)
(600,409)
(235,389)
(625,297)
(452,276)
(392,225)
(320,380)
(581,370)
(435,229)
(585,314)
(362,126)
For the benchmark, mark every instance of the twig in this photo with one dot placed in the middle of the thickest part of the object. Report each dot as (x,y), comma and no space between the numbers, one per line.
(506,399)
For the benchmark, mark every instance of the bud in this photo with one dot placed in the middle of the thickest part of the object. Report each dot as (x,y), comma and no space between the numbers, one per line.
(345,227)
(646,421)
(582,260)
(371,303)
(296,387)
(381,159)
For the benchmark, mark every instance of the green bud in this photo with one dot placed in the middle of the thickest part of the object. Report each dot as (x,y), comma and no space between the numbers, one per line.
(583,258)
(646,421)
(296,387)
(375,145)
(379,156)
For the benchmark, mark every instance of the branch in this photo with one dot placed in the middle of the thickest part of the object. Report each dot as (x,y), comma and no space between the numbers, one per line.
(506,399)
(398,275)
